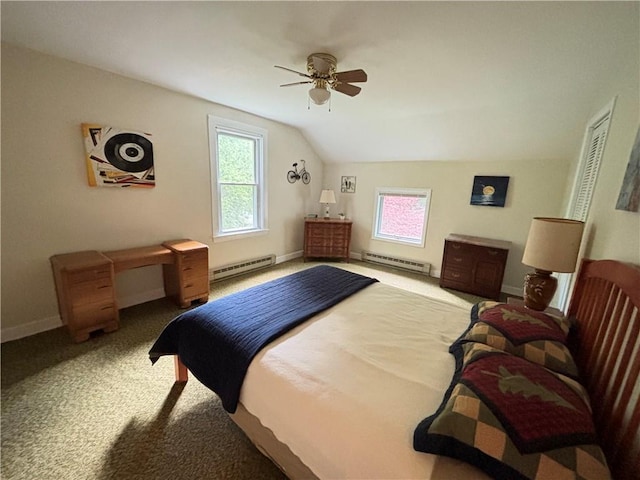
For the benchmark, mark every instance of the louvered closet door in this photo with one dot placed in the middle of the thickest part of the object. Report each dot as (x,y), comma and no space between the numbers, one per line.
(586,184)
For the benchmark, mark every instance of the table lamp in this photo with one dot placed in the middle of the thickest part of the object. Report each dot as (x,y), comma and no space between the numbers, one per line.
(552,246)
(327,197)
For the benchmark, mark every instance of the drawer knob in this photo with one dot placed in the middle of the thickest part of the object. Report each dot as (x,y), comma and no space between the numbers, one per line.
(492,252)
(456,246)
(455,275)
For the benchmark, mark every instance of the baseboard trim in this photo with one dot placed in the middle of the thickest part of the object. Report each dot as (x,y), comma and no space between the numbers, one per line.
(288,256)
(20,331)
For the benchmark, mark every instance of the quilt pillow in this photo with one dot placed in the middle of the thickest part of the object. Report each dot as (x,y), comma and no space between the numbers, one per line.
(514,419)
(535,336)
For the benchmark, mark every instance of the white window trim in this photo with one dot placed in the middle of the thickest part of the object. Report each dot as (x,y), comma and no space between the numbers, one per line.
(219,124)
(426,192)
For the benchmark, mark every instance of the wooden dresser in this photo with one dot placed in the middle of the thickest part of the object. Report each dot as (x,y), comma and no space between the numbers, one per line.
(327,238)
(474,265)
(85,283)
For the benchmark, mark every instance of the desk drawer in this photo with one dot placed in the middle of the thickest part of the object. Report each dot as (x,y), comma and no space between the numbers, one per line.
(93,314)
(91,292)
(89,275)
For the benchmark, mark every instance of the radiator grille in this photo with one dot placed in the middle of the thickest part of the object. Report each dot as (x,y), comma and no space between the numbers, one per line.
(403,263)
(238,268)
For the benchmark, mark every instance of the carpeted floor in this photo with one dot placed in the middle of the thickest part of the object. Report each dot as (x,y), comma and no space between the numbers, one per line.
(99,410)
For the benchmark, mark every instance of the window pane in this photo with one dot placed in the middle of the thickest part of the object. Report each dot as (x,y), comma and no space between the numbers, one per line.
(237,204)
(402,216)
(236,156)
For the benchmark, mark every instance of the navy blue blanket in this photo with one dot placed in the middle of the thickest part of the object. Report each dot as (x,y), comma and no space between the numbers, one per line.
(218,340)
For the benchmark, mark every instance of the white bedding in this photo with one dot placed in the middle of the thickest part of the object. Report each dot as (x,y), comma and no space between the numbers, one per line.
(346,390)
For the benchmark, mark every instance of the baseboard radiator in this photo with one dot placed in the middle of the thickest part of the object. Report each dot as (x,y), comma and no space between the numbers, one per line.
(402,263)
(239,268)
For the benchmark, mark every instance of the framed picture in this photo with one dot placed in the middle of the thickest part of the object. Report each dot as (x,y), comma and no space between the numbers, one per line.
(118,158)
(629,197)
(489,191)
(348,185)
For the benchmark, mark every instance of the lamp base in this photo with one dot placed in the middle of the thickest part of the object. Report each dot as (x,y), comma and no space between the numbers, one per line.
(539,288)
(326,212)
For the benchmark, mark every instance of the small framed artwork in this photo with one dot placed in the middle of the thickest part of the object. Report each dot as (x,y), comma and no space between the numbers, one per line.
(489,191)
(348,185)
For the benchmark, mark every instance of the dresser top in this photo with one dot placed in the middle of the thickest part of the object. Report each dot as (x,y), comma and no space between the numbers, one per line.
(329,220)
(483,242)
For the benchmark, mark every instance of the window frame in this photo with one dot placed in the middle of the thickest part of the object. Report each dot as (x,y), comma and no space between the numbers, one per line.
(413,192)
(219,125)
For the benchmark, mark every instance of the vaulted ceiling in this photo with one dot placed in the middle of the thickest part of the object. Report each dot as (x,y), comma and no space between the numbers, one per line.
(447,80)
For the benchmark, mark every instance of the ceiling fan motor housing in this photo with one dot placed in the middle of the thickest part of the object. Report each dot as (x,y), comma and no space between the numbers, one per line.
(321,64)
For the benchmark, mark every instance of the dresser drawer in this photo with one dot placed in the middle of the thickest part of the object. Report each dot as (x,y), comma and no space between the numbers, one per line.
(458,276)
(455,259)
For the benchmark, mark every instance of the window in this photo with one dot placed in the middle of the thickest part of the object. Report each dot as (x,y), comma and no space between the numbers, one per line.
(401,215)
(238,158)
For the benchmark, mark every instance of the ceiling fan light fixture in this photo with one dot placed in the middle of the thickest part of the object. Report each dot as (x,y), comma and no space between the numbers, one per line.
(319,95)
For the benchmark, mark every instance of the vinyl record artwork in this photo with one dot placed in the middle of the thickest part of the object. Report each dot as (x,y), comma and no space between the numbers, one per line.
(118,158)
(489,191)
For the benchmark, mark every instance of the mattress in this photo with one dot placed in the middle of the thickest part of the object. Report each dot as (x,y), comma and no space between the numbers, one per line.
(344,391)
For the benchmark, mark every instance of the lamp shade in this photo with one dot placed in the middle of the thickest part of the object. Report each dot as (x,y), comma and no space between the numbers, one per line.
(553,244)
(319,95)
(327,196)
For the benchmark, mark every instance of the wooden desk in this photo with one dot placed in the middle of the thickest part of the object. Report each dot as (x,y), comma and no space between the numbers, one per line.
(85,283)
(139,257)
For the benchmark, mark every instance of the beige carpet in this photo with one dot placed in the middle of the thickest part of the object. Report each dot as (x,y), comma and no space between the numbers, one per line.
(99,410)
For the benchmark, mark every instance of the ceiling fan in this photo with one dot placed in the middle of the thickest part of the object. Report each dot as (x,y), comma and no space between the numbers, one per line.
(321,72)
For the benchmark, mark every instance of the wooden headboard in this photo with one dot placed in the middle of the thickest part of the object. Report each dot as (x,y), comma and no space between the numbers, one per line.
(605,308)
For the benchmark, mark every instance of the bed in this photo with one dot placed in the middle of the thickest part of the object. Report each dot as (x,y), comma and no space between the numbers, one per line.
(371,381)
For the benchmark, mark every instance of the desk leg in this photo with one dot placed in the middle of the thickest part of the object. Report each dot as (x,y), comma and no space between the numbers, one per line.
(182,374)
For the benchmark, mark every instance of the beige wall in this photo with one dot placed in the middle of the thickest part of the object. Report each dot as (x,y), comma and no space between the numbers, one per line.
(48,208)
(535,189)
(615,233)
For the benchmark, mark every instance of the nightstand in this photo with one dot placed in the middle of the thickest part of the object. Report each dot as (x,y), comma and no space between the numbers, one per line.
(327,238)
(520,303)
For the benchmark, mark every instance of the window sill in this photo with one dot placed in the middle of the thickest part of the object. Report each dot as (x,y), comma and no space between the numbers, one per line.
(226,237)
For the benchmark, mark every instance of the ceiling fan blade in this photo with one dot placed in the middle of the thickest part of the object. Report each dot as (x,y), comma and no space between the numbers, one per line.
(293,71)
(296,83)
(351,90)
(351,76)
(320,65)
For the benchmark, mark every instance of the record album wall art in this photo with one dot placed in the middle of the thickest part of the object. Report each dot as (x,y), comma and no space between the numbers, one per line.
(118,158)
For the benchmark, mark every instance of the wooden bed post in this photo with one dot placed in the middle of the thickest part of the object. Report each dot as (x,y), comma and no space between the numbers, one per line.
(182,374)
